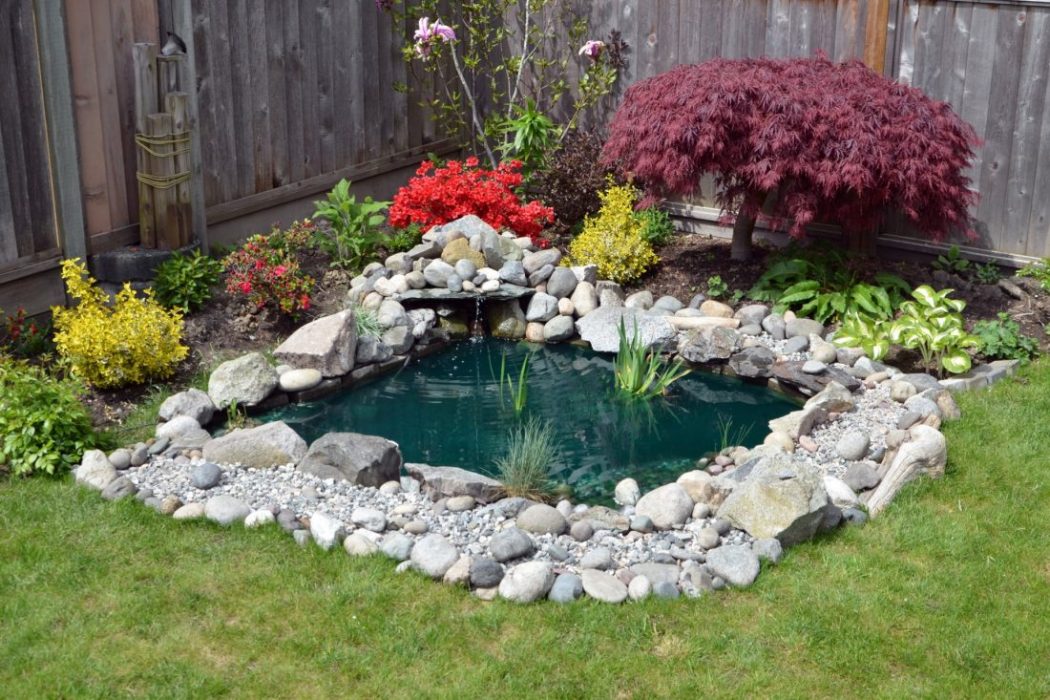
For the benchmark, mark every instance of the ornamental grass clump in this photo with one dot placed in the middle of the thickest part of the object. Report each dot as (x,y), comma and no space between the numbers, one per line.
(799,141)
(531,454)
(44,428)
(132,341)
(613,240)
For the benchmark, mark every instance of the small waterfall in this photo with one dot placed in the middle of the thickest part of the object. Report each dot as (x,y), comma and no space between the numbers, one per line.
(477,325)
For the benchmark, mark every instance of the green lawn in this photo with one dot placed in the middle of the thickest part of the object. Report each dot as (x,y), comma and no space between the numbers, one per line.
(946,595)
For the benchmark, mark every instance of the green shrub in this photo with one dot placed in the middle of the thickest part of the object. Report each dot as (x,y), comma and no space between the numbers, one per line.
(642,374)
(657,227)
(1002,339)
(612,240)
(402,239)
(821,283)
(185,282)
(352,236)
(988,273)
(44,428)
(531,453)
(129,342)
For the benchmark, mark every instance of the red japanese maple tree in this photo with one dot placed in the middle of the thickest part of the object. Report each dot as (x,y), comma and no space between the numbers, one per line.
(797,140)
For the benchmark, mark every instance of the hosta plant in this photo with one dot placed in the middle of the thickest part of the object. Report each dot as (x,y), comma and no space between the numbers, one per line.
(932,324)
(872,335)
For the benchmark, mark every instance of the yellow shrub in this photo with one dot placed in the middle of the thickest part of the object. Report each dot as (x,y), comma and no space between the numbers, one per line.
(612,240)
(130,342)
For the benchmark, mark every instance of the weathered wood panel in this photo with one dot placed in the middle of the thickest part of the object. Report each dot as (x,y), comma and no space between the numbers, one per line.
(101,35)
(991,62)
(27,222)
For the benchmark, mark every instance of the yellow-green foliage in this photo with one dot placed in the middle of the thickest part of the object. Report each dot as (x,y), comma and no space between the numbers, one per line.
(130,342)
(612,240)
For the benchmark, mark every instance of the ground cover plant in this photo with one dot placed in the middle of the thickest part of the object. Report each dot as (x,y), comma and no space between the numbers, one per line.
(1002,339)
(944,595)
(797,141)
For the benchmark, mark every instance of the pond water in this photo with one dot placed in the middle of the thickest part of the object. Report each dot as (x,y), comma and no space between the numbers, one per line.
(447,409)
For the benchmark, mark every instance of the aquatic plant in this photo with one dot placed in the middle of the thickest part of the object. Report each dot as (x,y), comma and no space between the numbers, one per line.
(642,374)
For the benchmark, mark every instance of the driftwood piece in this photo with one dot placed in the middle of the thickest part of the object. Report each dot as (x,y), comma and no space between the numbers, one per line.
(925,453)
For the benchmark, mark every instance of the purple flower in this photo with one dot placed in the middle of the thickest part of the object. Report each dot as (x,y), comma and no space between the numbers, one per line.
(592,49)
(384,5)
(428,33)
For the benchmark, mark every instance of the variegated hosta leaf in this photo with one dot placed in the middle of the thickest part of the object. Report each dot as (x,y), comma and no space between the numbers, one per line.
(926,295)
(956,362)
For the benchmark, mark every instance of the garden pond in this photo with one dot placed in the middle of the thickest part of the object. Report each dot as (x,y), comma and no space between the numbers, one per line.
(452,409)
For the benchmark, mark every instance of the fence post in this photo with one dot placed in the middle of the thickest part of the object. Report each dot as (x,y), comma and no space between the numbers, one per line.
(145,59)
(182,11)
(175,105)
(876,30)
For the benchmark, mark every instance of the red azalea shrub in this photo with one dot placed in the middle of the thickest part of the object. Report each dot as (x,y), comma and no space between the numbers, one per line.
(836,143)
(23,337)
(266,271)
(436,196)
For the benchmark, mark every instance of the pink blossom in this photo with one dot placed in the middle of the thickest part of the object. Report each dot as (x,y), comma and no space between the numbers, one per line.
(428,33)
(592,49)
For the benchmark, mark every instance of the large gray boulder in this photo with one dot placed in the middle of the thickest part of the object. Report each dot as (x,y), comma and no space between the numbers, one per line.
(542,307)
(183,432)
(226,510)
(246,381)
(328,345)
(269,445)
(604,587)
(562,283)
(542,519)
(755,362)
(365,460)
(442,482)
(511,543)
(780,498)
(601,328)
(584,298)
(192,402)
(708,344)
(667,506)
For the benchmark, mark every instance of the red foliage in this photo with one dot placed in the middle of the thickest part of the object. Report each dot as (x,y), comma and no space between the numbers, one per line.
(838,142)
(439,195)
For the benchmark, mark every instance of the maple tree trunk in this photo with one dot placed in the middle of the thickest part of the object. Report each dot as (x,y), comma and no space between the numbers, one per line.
(743,232)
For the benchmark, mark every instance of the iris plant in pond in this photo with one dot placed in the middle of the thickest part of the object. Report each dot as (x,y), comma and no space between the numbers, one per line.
(642,374)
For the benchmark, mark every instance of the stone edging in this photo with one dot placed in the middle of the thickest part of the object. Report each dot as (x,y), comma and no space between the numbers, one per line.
(865,430)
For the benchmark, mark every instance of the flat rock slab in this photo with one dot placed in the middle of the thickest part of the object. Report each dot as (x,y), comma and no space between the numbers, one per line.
(604,587)
(504,293)
(791,373)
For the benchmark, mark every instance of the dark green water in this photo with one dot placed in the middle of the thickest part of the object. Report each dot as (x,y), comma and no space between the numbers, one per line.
(446,409)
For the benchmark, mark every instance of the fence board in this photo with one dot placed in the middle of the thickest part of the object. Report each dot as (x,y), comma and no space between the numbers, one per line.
(295,139)
(278,103)
(109,106)
(241,70)
(262,153)
(12,129)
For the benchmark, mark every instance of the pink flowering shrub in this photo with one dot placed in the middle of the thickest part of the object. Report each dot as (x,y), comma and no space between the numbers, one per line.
(266,270)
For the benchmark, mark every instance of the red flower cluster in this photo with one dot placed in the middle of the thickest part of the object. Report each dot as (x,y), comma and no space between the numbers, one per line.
(23,338)
(837,143)
(439,195)
(266,269)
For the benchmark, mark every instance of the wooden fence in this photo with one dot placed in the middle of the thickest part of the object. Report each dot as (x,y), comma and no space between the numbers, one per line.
(292,95)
